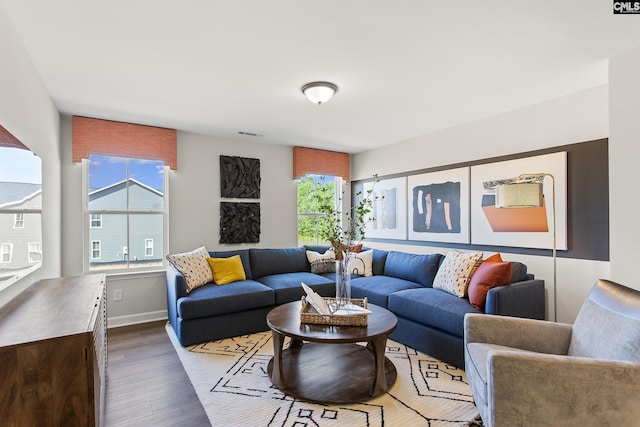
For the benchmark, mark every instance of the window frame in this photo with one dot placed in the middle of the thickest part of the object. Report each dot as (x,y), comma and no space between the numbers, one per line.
(30,245)
(129,268)
(99,249)
(147,247)
(18,223)
(98,220)
(3,252)
(339,188)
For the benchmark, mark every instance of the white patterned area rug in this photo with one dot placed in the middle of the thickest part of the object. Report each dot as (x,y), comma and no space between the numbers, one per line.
(230,378)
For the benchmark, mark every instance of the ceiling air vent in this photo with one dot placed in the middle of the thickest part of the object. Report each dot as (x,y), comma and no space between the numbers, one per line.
(248,133)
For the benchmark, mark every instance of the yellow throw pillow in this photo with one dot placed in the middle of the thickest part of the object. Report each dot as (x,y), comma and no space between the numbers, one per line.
(227,270)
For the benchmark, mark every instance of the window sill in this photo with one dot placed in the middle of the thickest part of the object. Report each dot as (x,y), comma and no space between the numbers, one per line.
(122,275)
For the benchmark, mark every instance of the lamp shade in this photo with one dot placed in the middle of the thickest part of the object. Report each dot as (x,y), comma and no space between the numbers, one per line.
(519,195)
(319,92)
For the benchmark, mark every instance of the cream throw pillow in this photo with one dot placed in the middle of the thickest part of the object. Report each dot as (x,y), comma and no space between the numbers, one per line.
(455,272)
(322,263)
(361,263)
(193,266)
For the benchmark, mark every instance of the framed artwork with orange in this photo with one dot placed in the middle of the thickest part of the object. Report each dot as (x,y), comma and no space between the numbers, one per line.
(528,227)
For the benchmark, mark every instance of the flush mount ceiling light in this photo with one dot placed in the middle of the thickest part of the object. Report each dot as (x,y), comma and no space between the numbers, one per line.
(319,92)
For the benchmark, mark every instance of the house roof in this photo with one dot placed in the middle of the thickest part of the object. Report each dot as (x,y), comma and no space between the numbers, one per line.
(95,193)
(12,193)
(403,68)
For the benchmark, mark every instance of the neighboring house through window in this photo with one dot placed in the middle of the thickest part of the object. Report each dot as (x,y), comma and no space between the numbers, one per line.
(126,204)
(20,210)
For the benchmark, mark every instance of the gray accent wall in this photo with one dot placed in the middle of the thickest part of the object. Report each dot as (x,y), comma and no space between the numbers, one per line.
(578,117)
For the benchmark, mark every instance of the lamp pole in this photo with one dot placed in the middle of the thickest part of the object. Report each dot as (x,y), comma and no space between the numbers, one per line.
(553,200)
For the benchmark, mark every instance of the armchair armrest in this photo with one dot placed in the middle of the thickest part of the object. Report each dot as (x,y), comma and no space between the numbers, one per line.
(540,389)
(519,299)
(526,334)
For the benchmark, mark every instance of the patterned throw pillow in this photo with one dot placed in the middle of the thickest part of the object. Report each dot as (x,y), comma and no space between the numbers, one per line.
(361,263)
(193,266)
(322,263)
(455,272)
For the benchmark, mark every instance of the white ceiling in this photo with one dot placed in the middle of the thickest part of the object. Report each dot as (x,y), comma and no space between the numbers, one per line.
(404,68)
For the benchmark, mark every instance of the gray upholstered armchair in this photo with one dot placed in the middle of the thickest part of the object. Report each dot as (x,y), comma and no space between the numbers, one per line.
(527,372)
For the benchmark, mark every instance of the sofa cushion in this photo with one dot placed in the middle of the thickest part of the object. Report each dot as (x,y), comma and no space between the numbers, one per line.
(432,307)
(421,269)
(377,288)
(244,257)
(265,262)
(288,286)
(227,270)
(379,258)
(211,300)
(519,272)
(193,266)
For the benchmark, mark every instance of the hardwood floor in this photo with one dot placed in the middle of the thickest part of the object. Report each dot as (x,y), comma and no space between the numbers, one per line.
(146,383)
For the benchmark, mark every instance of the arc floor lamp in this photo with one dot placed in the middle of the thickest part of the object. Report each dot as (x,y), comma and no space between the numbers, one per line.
(527,192)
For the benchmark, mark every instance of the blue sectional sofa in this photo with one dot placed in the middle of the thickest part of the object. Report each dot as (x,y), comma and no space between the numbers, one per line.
(429,320)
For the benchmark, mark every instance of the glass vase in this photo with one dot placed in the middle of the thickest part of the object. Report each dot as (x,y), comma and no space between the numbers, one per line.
(343,281)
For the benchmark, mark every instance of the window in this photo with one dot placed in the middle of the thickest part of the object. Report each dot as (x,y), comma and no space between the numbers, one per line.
(311,188)
(96,247)
(6,250)
(148,247)
(33,252)
(18,220)
(96,220)
(20,210)
(126,213)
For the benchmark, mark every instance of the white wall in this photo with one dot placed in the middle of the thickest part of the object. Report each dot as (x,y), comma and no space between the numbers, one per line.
(624,155)
(195,193)
(29,114)
(194,214)
(574,118)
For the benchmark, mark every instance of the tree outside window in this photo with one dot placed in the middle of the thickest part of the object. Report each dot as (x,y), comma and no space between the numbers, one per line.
(313,189)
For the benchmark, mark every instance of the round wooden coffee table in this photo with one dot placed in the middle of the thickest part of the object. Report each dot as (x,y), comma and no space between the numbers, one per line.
(318,371)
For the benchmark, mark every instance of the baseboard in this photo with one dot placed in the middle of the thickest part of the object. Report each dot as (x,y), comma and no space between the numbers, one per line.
(134,319)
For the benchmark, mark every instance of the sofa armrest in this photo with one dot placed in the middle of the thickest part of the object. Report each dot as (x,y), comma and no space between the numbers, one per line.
(526,334)
(176,285)
(539,389)
(518,299)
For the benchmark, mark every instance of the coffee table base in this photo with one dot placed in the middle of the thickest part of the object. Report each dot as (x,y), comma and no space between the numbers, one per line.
(328,373)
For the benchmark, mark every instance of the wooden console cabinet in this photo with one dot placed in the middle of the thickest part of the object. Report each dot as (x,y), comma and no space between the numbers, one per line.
(53,353)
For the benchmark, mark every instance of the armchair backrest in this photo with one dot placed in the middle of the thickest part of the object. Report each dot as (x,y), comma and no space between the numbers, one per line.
(608,324)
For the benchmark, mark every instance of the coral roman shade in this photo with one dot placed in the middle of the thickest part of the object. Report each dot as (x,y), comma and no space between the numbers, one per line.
(8,140)
(95,136)
(320,162)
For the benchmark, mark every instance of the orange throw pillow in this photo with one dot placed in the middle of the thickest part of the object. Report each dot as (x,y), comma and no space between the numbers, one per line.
(491,273)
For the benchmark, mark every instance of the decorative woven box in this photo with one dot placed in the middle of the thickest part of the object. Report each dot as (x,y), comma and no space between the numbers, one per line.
(308,314)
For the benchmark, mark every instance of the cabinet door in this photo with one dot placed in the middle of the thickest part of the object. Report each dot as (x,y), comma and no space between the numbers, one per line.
(45,380)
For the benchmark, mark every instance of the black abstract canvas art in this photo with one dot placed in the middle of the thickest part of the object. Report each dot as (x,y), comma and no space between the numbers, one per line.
(239,222)
(239,177)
